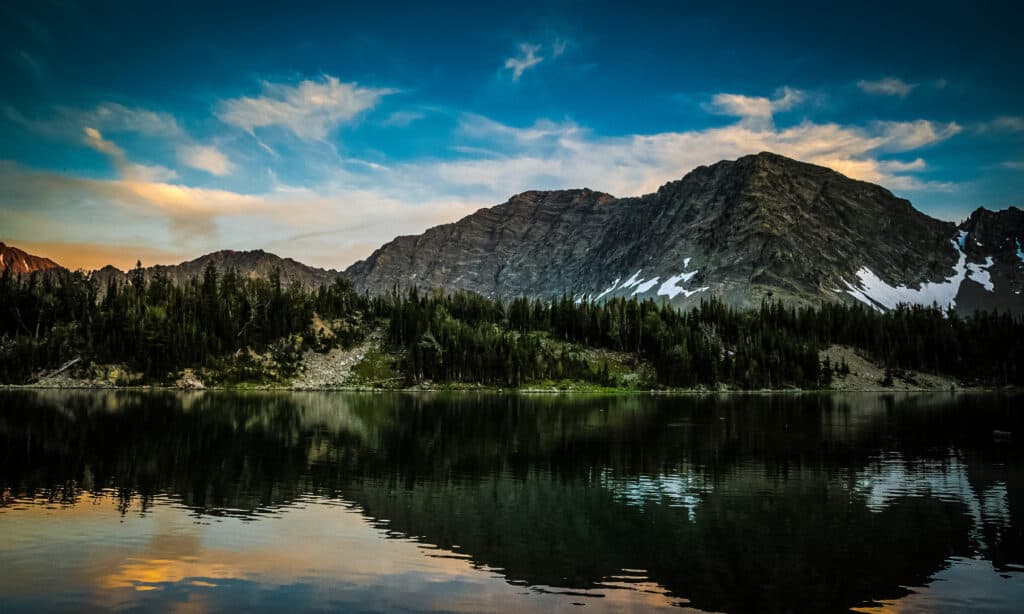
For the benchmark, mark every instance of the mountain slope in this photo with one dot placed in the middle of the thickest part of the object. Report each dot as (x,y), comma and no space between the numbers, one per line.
(760,226)
(21,262)
(534,244)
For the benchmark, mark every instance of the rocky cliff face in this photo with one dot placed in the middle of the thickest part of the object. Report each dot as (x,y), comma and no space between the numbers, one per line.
(21,262)
(993,243)
(760,226)
(538,243)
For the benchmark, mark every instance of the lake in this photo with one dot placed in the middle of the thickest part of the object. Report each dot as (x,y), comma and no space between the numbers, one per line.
(467,502)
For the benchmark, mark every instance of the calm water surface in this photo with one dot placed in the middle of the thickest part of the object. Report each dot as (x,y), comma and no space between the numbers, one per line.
(401,502)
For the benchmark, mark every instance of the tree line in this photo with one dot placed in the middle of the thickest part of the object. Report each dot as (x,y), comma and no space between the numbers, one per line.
(158,327)
(225,322)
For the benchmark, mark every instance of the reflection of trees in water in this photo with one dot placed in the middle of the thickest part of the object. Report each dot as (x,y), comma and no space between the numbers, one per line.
(733,502)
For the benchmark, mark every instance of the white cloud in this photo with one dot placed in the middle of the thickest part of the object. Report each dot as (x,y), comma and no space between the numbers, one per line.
(904,136)
(889,86)
(757,110)
(1013,165)
(526,59)
(480,127)
(547,155)
(898,166)
(310,109)
(205,158)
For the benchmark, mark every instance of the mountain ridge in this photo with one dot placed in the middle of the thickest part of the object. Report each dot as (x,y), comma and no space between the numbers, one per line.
(761,226)
(249,263)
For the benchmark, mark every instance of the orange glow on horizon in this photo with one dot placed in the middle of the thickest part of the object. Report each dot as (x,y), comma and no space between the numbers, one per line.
(92,256)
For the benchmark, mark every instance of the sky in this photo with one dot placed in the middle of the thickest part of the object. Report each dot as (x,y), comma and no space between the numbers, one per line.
(320,131)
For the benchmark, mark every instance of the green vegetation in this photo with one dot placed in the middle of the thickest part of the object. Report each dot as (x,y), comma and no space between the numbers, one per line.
(377,370)
(233,330)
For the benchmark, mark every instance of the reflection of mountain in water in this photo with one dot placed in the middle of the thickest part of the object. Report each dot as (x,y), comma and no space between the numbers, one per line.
(734,503)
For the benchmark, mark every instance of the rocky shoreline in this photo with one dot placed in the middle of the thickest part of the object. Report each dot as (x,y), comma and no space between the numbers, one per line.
(366,368)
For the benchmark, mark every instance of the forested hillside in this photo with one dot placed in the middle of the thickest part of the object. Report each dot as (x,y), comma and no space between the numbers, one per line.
(251,330)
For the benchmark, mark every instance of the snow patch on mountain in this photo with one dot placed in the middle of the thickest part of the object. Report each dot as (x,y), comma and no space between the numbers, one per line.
(672,289)
(874,291)
(608,289)
(980,274)
(632,281)
(645,286)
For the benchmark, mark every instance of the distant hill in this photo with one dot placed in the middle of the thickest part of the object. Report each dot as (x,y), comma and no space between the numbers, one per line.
(254,263)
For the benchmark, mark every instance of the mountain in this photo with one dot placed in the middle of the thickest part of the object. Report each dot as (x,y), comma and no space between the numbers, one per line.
(255,263)
(993,242)
(760,226)
(19,261)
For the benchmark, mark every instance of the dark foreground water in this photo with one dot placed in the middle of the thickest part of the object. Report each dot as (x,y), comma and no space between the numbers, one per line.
(217,501)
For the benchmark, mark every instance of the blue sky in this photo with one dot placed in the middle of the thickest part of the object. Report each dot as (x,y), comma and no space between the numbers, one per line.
(319,132)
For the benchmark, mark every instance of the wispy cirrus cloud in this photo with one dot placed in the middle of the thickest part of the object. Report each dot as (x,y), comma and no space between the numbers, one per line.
(310,109)
(401,119)
(529,55)
(525,60)
(110,117)
(889,86)
(93,138)
(1002,125)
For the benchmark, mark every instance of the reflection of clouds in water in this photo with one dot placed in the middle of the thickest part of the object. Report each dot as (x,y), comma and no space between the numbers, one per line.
(329,552)
(966,585)
(892,477)
(682,487)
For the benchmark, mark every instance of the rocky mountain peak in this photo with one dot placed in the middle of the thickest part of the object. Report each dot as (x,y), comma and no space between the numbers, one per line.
(761,225)
(560,198)
(19,261)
